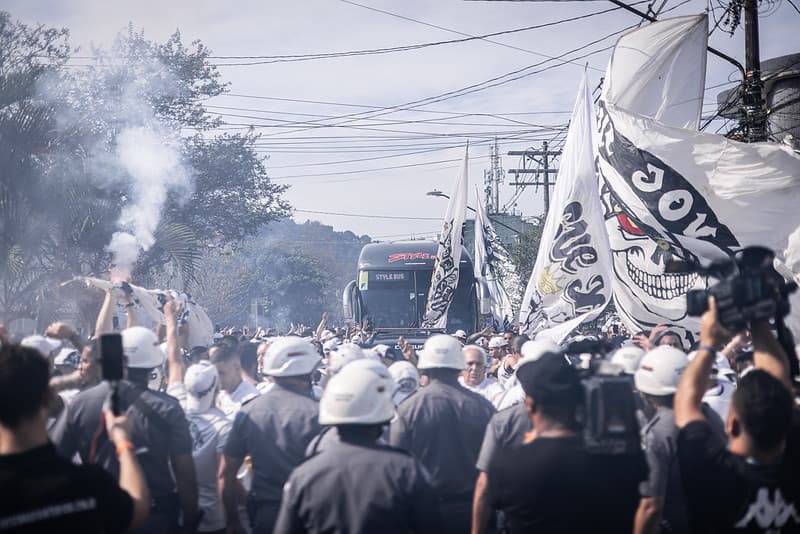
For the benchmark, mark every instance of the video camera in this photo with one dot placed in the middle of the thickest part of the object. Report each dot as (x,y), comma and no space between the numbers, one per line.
(749,289)
(608,416)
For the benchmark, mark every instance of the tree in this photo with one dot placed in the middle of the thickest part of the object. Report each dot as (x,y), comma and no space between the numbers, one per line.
(524,253)
(61,193)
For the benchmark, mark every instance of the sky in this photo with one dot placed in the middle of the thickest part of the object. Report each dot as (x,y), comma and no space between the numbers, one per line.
(326,130)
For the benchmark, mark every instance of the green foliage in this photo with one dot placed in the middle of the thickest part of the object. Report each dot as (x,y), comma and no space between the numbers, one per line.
(60,192)
(524,253)
(295,271)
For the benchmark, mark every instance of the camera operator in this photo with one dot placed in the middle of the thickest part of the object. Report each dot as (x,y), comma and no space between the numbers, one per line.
(553,483)
(752,486)
(43,492)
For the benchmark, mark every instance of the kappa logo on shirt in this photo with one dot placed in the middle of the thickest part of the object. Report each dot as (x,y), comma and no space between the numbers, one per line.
(769,513)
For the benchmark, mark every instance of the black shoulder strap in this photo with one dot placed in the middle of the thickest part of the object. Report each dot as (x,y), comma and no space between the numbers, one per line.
(135,399)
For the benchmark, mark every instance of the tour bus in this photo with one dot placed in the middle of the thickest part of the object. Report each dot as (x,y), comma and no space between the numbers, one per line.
(391,291)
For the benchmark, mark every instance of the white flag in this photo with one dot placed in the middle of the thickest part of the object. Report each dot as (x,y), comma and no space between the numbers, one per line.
(493,265)
(570,282)
(448,256)
(670,191)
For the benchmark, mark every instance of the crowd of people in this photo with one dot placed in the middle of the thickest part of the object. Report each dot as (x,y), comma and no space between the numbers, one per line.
(319,429)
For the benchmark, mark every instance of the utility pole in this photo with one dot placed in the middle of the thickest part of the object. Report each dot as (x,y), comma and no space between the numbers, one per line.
(492,178)
(546,156)
(754,112)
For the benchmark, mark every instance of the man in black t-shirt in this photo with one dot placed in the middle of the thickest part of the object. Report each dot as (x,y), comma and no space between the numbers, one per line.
(43,492)
(753,485)
(552,483)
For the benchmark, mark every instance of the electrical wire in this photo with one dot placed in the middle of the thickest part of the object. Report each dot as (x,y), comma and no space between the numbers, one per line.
(365,216)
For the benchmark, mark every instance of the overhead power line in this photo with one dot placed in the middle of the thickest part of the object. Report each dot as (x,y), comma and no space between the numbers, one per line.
(363,215)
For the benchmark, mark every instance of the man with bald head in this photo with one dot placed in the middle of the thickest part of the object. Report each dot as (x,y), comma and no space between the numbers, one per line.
(474,376)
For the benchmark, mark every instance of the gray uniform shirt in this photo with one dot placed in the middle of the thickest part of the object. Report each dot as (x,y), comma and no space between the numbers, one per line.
(160,430)
(442,425)
(358,486)
(659,440)
(274,429)
(505,430)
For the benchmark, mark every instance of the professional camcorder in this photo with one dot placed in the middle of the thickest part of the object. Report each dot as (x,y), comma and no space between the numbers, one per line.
(749,289)
(608,415)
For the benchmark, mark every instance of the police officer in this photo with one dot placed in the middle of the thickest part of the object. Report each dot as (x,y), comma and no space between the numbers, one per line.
(274,429)
(355,484)
(160,434)
(442,425)
(662,507)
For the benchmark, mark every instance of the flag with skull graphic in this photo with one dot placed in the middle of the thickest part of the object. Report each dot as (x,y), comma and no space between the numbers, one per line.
(570,282)
(444,279)
(670,191)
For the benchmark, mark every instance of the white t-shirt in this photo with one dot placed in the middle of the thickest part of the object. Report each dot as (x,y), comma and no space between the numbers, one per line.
(231,403)
(491,390)
(209,432)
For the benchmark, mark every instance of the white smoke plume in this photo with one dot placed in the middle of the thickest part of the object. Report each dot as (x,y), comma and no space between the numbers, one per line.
(154,165)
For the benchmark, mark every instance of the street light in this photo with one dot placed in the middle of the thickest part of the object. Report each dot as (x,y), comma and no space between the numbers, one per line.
(437,193)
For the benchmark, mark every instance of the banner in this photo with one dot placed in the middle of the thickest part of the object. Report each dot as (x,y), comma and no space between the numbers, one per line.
(672,192)
(444,279)
(570,282)
(492,263)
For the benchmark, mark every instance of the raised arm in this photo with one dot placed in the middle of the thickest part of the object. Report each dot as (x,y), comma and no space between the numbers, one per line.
(695,379)
(768,354)
(175,365)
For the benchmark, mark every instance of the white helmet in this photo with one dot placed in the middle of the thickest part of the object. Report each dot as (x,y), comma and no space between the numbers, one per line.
(628,358)
(140,345)
(406,378)
(441,352)
(535,348)
(290,356)
(360,394)
(660,371)
(346,353)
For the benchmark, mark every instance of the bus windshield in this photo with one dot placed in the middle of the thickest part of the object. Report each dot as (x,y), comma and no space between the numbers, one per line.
(396,299)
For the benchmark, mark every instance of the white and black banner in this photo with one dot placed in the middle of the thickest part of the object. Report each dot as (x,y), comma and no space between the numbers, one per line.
(444,279)
(570,282)
(672,192)
(492,264)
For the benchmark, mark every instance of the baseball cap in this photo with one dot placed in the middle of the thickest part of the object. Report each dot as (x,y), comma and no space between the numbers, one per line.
(460,334)
(200,382)
(550,379)
(67,356)
(497,341)
(45,345)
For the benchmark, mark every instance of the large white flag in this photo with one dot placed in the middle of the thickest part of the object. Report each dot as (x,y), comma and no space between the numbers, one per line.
(570,282)
(672,192)
(492,263)
(448,256)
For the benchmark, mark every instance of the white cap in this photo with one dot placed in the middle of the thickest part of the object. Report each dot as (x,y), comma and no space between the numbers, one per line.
(441,352)
(628,358)
(45,345)
(497,341)
(290,356)
(326,335)
(406,378)
(660,371)
(380,349)
(201,381)
(535,348)
(67,356)
(360,394)
(460,334)
(140,345)
(346,353)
